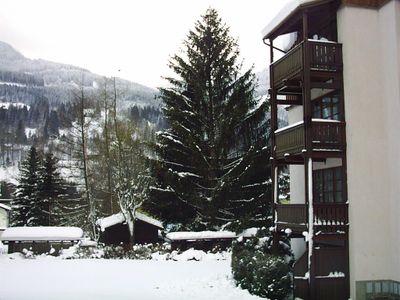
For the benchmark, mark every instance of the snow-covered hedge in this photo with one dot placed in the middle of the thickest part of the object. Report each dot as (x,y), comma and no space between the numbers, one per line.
(137,252)
(255,268)
(158,252)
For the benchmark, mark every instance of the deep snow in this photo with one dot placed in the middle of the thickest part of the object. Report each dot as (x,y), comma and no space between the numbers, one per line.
(54,278)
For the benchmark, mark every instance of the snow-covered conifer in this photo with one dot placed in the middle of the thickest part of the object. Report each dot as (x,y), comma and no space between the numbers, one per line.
(212,116)
(26,204)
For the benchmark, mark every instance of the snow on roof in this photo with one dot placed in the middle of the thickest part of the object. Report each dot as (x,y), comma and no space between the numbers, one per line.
(249,232)
(109,221)
(286,11)
(119,218)
(6,207)
(200,235)
(142,217)
(203,235)
(42,234)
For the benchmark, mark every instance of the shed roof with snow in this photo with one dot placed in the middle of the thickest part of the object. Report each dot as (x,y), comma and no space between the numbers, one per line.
(206,235)
(45,233)
(6,207)
(206,240)
(119,218)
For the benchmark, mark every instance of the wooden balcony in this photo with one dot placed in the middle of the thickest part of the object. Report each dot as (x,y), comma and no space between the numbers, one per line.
(326,136)
(331,214)
(324,56)
(330,280)
(293,216)
(326,288)
(327,216)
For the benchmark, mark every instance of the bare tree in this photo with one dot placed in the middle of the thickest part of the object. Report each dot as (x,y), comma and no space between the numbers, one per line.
(130,167)
(76,160)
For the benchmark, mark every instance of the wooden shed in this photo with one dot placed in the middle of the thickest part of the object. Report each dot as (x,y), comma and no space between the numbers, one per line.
(114,230)
(40,239)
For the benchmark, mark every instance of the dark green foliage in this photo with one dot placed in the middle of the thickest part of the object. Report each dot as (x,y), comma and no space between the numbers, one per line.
(51,189)
(52,125)
(256,269)
(20,136)
(26,206)
(205,158)
(35,202)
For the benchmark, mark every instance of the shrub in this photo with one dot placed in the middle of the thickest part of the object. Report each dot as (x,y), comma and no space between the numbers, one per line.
(256,269)
(136,252)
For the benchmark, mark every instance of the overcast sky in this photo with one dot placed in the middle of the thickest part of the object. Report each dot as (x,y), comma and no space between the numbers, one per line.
(135,37)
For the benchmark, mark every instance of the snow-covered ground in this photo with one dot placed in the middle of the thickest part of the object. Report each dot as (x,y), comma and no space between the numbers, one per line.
(55,278)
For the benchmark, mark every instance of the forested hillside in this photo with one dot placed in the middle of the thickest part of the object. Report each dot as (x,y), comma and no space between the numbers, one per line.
(37,104)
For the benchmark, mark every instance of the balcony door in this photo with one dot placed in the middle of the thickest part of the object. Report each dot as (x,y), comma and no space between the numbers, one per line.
(328,185)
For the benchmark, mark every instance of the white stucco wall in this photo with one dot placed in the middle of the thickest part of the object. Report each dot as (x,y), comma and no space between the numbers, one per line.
(389,21)
(371,50)
(297,188)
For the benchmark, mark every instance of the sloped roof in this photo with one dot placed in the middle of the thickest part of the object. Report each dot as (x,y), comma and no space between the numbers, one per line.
(287,12)
(293,7)
(119,218)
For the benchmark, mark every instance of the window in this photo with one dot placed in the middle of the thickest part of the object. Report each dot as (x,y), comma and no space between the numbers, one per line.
(328,185)
(326,108)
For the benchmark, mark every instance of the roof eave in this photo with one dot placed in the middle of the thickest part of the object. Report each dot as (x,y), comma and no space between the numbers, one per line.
(293,7)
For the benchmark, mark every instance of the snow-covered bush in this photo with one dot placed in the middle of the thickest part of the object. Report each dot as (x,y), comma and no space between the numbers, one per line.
(136,252)
(76,252)
(256,269)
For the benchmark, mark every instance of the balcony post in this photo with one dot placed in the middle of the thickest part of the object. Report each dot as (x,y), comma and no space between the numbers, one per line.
(274,165)
(310,201)
(275,234)
(307,119)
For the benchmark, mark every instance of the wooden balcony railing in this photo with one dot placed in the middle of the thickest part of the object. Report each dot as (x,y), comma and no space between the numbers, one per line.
(292,213)
(331,288)
(328,135)
(324,56)
(330,260)
(290,140)
(288,65)
(301,288)
(325,135)
(330,214)
(325,214)
(328,288)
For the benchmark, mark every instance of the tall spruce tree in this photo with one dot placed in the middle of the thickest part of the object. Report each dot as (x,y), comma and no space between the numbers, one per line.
(26,204)
(208,106)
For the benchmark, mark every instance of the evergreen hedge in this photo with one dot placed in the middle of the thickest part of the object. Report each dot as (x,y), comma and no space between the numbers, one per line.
(256,269)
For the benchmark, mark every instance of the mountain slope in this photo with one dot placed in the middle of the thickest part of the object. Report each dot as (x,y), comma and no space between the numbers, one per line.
(24,80)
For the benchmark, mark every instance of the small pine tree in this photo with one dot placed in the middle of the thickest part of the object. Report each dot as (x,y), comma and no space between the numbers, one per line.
(26,204)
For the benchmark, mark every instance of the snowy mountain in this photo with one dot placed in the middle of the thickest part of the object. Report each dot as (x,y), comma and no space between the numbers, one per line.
(26,80)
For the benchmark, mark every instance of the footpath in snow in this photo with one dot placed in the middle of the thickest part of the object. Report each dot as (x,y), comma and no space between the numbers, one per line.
(53,278)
